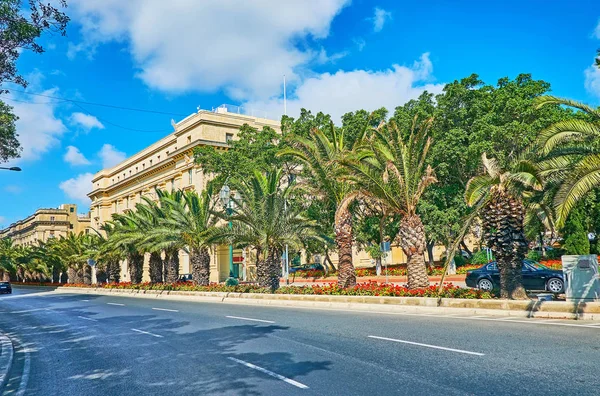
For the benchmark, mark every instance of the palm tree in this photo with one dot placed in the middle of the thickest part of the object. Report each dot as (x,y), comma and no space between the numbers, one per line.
(320,155)
(74,250)
(571,155)
(189,223)
(125,238)
(392,170)
(263,221)
(501,197)
(107,258)
(8,259)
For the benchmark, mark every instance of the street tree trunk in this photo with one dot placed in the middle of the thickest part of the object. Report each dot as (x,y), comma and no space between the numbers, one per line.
(200,260)
(135,262)
(87,274)
(114,272)
(155,268)
(268,271)
(412,241)
(504,233)
(172,267)
(343,240)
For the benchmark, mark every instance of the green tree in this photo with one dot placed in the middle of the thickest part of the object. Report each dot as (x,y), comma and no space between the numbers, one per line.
(262,220)
(392,170)
(21,25)
(575,233)
(189,223)
(499,195)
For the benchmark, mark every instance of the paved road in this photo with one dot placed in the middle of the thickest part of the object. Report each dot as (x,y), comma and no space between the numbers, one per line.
(108,345)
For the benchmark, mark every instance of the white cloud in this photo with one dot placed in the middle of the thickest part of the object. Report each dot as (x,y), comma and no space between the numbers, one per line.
(243,47)
(13,189)
(592,80)
(360,43)
(110,156)
(38,127)
(380,18)
(346,91)
(74,157)
(77,188)
(85,121)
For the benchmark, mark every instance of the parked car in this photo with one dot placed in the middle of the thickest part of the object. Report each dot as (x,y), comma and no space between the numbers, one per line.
(185,277)
(535,277)
(5,287)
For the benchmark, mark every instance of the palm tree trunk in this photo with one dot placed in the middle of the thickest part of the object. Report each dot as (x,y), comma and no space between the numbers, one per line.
(172,267)
(504,233)
(55,274)
(268,271)
(155,265)
(114,271)
(343,240)
(135,261)
(412,242)
(87,274)
(200,260)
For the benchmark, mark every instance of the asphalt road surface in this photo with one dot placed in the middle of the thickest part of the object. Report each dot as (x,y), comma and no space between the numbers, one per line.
(74,344)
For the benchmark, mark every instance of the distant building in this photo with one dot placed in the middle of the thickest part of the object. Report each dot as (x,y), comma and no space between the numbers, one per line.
(45,224)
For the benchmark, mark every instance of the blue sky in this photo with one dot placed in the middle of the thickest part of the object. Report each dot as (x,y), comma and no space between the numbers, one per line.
(338,56)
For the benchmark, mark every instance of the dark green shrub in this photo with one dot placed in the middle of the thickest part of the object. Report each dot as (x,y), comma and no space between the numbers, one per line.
(534,255)
(575,234)
(460,261)
(554,254)
(479,257)
(232,282)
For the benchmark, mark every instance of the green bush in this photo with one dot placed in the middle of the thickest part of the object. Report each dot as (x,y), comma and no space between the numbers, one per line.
(554,254)
(460,261)
(575,234)
(479,257)
(232,282)
(534,255)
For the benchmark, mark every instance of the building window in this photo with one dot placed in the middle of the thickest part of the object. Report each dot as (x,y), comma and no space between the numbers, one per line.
(158,159)
(87,230)
(190,176)
(189,139)
(70,226)
(51,218)
(228,137)
(129,172)
(150,162)
(71,209)
(143,166)
(173,184)
(113,181)
(123,176)
(136,169)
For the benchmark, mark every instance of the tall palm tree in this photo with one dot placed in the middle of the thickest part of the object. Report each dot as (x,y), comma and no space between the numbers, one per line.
(125,238)
(263,221)
(320,155)
(571,153)
(393,171)
(189,223)
(8,259)
(501,195)
(107,258)
(74,250)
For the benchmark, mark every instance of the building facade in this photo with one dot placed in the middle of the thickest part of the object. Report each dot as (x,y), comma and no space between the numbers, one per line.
(169,165)
(45,224)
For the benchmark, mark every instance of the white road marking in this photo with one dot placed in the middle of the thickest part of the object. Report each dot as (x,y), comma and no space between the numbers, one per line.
(85,300)
(6,357)
(165,309)
(250,319)
(147,332)
(83,317)
(24,375)
(29,310)
(428,346)
(272,374)
(117,304)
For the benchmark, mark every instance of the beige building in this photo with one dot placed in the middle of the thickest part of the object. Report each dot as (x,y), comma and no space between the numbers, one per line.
(169,164)
(45,224)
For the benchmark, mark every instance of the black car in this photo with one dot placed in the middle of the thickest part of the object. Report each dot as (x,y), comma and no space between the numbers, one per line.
(315,266)
(185,278)
(535,277)
(5,287)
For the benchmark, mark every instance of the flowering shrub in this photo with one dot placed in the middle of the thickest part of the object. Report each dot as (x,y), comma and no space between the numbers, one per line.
(361,289)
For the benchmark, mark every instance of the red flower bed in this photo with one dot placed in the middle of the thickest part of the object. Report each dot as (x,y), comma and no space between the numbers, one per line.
(361,289)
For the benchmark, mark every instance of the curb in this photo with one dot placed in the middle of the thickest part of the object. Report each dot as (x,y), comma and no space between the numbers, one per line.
(6,358)
(522,309)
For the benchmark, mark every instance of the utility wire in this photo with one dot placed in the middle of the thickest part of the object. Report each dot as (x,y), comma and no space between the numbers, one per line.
(100,104)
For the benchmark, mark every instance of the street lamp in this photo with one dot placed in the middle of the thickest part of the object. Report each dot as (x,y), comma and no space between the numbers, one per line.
(12,168)
(225,196)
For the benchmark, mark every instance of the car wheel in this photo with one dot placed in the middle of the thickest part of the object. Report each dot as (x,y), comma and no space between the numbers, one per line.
(485,285)
(555,285)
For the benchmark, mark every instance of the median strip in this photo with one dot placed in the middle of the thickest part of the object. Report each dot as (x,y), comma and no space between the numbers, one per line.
(250,319)
(268,372)
(165,309)
(148,333)
(428,346)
